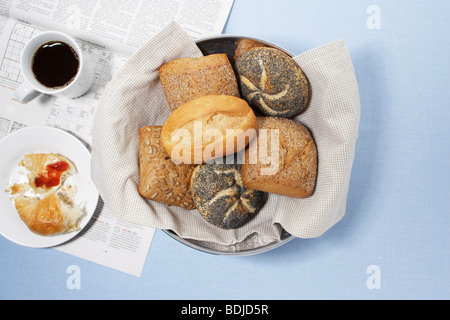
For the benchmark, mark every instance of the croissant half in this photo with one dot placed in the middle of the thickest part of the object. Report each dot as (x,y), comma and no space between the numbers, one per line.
(48,171)
(49,216)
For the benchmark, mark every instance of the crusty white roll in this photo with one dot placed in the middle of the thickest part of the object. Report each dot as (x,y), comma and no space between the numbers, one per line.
(207,128)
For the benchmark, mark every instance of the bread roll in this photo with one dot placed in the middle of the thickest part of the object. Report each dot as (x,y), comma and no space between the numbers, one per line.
(293,170)
(220,196)
(272,82)
(207,128)
(188,78)
(159,178)
(243,45)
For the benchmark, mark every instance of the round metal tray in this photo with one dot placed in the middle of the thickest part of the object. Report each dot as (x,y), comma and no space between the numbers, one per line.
(233,45)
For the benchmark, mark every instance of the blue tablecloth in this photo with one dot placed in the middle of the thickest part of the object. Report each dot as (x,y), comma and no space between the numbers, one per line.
(393,242)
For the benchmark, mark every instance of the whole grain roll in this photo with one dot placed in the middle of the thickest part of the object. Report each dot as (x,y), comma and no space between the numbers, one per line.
(185,79)
(290,165)
(159,178)
(220,196)
(272,82)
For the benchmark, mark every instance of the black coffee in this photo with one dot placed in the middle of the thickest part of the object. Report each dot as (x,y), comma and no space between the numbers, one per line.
(55,64)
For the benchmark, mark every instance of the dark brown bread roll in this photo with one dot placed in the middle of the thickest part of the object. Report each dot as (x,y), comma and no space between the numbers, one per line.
(220,196)
(272,82)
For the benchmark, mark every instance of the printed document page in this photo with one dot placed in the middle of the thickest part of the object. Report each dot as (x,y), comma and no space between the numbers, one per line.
(123,26)
(109,32)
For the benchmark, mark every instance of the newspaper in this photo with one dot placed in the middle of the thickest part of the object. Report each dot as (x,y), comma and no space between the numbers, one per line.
(109,32)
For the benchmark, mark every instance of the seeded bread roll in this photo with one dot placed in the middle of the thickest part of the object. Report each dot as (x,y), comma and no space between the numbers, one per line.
(293,156)
(188,78)
(159,178)
(220,196)
(272,82)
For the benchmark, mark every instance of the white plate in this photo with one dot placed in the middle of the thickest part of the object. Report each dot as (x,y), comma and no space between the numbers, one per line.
(43,140)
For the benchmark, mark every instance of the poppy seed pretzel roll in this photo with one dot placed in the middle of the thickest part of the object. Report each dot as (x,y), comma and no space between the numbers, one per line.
(185,79)
(220,196)
(272,82)
(159,178)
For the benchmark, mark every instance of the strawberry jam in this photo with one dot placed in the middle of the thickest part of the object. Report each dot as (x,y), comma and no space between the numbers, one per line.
(51,176)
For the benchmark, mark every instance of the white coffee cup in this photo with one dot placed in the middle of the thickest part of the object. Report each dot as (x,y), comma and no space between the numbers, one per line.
(32,88)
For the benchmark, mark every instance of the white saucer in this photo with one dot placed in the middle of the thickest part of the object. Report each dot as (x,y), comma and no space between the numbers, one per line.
(43,140)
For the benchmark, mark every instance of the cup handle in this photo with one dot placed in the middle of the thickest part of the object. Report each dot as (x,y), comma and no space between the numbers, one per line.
(25,93)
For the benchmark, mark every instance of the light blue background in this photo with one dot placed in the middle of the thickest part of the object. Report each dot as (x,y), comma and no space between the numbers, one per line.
(398,210)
